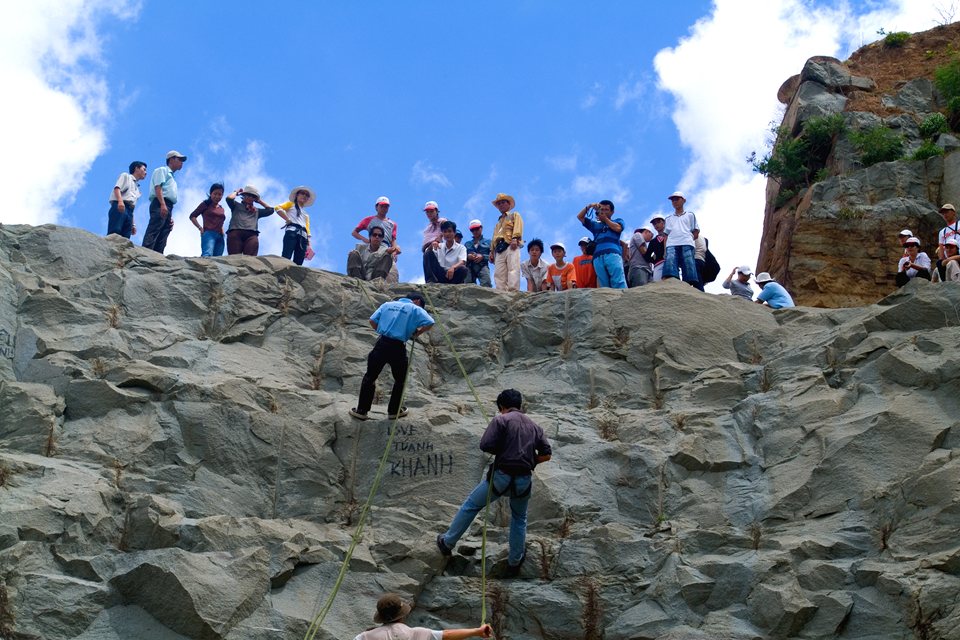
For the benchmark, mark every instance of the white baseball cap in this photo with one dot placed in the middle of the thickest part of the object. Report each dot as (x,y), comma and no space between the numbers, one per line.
(906,232)
(912,240)
(558,244)
(583,240)
(474,224)
(431,204)
(676,194)
(952,241)
(745,270)
(383,200)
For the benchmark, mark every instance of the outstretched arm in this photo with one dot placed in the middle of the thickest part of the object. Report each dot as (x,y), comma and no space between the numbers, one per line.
(462,634)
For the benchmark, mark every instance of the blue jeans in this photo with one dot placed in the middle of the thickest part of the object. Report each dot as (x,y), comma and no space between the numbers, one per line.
(211,244)
(120,223)
(680,257)
(609,268)
(475,502)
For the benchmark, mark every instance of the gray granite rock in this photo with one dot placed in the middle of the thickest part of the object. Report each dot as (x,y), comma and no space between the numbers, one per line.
(176,460)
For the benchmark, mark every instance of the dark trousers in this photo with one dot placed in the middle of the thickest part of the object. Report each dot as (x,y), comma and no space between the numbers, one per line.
(157,231)
(433,272)
(386,351)
(120,223)
(294,245)
(243,241)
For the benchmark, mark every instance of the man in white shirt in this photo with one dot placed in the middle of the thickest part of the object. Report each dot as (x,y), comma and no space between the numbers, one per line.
(124,198)
(446,261)
(682,231)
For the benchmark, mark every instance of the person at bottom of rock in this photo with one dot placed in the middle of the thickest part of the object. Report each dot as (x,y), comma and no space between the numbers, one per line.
(396,322)
(392,612)
(519,446)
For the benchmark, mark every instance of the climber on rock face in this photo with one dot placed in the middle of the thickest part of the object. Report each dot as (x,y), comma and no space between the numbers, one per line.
(391,613)
(519,445)
(396,321)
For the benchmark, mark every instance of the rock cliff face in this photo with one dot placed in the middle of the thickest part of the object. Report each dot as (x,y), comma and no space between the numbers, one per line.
(834,244)
(176,460)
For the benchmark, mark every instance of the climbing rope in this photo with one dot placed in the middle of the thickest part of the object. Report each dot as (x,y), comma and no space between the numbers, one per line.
(486,507)
(318,620)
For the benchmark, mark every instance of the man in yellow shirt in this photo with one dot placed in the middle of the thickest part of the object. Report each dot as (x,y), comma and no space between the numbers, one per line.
(505,244)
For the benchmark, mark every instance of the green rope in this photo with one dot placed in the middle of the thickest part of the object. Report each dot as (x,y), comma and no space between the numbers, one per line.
(319,618)
(486,508)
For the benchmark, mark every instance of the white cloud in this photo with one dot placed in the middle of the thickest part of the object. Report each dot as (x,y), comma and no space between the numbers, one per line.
(630,91)
(605,182)
(245,168)
(56,106)
(724,78)
(562,163)
(592,97)
(423,174)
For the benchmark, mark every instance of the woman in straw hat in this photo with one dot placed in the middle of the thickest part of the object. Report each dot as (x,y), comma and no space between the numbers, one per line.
(391,612)
(296,236)
(243,236)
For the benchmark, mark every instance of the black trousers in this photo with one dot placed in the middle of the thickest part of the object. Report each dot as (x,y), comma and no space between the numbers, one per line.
(294,246)
(433,272)
(386,351)
(157,231)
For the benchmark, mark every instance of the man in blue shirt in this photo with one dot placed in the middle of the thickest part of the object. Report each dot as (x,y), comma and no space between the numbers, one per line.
(163,196)
(772,293)
(608,256)
(478,255)
(396,321)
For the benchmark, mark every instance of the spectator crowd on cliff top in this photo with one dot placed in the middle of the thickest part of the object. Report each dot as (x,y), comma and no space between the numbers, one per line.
(664,246)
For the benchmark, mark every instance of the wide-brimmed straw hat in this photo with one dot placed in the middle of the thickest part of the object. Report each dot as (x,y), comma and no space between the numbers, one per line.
(311,196)
(390,608)
(504,196)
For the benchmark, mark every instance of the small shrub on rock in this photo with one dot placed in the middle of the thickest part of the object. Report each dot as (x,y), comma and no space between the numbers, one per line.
(877,144)
(927,150)
(947,79)
(800,161)
(953,113)
(934,124)
(896,39)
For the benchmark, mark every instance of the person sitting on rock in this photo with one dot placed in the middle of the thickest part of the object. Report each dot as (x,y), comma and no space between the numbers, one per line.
(772,293)
(740,287)
(446,263)
(396,322)
(948,269)
(478,255)
(534,269)
(586,274)
(560,276)
(382,206)
(392,612)
(370,261)
(519,445)
(916,264)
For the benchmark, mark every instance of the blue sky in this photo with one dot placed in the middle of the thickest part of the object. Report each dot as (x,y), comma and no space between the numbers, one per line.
(556,103)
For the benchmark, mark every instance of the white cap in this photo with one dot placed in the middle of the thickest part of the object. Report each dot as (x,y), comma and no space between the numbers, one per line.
(953,241)
(912,240)
(474,224)
(763,276)
(431,204)
(745,270)
(647,227)
(383,200)
(906,232)
(177,154)
(676,194)
(656,216)
(558,244)
(583,240)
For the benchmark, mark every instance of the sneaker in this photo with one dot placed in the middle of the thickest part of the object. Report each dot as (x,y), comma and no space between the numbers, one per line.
(359,416)
(512,571)
(444,549)
(403,412)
